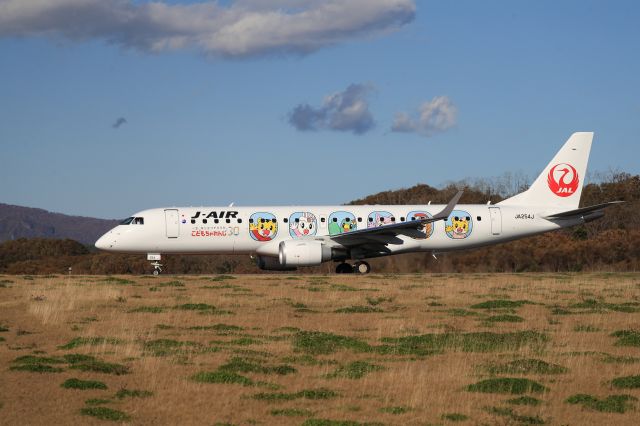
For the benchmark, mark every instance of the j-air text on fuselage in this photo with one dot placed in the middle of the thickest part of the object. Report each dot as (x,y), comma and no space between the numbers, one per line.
(284,238)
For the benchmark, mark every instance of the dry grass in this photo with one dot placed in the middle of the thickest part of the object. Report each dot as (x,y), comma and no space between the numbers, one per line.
(287,349)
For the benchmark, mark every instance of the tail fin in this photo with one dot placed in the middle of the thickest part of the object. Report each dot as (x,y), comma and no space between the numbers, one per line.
(560,183)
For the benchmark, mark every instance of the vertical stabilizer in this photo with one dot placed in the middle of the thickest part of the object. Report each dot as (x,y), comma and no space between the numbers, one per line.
(560,183)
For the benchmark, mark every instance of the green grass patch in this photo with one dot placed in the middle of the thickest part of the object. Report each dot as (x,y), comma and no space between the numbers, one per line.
(375,301)
(171,284)
(222,278)
(454,417)
(221,376)
(312,394)
(291,412)
(101,367)
(357,309)
(36,368)
(82,384)
(500,304)
(133,393)
(508,412)
(584,328)
(504,318)
(627,382)
(319,343)
(91,341)
(195,307)
(37,364)
(3,329)
(611,404)
(116,280)
(623,359)
(354,370)
(395,410)
(243,365)
(593,305)
(467,342)
(97,401)
(327,422)
(527,366)
(148,310)
(627,337)
(105,413)
(507,385)
(221,329)
(457,312)
(524,400)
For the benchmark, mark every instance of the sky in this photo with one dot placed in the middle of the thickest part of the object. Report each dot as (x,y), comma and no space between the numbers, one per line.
(108,107)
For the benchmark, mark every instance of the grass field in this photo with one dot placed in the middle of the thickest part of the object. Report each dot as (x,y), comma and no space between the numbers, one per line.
(321,350)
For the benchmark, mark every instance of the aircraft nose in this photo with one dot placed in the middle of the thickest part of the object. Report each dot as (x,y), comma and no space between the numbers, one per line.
(105,242)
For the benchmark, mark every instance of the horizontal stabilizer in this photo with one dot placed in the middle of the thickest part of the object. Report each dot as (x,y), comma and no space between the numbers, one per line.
(583,211)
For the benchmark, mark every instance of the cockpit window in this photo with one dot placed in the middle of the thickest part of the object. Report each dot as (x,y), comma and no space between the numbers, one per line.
(133,221)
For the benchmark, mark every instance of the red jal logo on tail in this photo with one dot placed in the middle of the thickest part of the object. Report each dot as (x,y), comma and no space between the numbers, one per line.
(563,180)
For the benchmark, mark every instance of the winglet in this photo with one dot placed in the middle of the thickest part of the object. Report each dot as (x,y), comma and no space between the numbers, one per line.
(444,214)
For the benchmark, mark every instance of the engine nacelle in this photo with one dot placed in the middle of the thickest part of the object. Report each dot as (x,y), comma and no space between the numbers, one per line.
(272,264)
(303,253)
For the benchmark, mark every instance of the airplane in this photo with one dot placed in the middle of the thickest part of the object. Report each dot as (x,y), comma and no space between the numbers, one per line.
(283,238)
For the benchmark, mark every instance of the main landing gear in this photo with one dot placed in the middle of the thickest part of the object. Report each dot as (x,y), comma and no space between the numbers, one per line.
(360,267)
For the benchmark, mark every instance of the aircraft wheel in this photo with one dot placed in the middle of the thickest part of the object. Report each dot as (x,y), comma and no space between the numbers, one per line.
(362,268)
(156,272)
(344,268)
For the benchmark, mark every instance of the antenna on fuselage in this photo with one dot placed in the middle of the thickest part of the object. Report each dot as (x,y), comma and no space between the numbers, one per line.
(231,205)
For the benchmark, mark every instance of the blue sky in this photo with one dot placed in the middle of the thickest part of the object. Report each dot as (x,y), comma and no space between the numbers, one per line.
(209,102)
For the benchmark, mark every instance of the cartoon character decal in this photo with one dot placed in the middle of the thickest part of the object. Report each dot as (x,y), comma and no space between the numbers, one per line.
(417,215)
(302,224)
(342,222)
(379,218)
(459,225)
(263,226)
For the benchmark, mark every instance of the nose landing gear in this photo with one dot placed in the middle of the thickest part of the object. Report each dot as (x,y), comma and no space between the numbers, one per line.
(155,262)
(360,267)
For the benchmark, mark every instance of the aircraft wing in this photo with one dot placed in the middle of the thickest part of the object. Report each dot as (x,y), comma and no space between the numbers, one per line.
(584,211)
(388,234)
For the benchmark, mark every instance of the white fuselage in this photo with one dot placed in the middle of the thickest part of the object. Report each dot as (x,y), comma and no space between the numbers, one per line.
(259,230)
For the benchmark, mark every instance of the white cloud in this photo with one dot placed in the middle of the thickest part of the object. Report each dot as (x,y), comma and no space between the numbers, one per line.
(243,28)
(346,111)
(434,116)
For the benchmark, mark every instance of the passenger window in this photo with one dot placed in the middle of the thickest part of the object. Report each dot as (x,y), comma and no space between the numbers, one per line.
(401,218)
(250,220)
(228,220)
(285,220)
(322,219)
(204,220)
(215,221)
(479,218)
(359,219)
(239,220)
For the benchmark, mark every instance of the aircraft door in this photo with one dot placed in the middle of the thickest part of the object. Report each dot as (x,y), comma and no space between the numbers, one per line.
(496,220)
(172,222)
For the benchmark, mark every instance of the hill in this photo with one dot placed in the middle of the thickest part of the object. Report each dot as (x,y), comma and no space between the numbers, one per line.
(26,222)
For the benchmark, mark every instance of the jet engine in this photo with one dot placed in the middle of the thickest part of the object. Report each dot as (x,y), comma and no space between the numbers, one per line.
(294,253)
(272,264)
